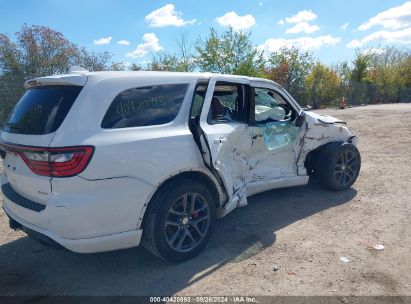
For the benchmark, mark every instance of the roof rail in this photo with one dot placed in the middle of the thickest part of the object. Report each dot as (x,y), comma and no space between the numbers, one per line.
(77,69)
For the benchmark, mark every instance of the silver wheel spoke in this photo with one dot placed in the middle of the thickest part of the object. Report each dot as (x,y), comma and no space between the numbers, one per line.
(198,230)
(175,212)
(174,236)
(343,158)
(182,239)
(352,172)
(201,209)
(192,202)
(342,177)
(169,223)
(199,220)
(189,234)
(185,200)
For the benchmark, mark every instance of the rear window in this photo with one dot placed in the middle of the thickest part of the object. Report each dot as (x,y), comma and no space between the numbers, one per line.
(41,110)
(145,106)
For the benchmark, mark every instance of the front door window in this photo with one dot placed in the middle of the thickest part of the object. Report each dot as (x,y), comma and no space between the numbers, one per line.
(275,117)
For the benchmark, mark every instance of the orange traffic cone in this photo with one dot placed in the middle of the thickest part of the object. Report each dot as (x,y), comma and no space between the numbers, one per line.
(342,103)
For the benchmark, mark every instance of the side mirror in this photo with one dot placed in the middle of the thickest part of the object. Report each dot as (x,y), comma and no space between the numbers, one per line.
(299,121)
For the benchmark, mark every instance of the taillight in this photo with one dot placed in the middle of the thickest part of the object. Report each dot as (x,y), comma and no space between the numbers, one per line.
(54,162)
(69,162)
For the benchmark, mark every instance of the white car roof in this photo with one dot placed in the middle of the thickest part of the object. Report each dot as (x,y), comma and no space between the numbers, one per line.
(80,78)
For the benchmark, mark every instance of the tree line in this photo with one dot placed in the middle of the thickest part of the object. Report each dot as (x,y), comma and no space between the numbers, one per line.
(375,75)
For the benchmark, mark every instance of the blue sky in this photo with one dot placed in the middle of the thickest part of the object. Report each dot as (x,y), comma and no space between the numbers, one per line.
(330,29)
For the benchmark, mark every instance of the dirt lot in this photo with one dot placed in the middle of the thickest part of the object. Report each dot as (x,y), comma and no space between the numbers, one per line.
(301,232)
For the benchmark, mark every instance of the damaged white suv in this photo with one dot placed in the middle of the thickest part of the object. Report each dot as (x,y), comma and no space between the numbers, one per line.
(108,160)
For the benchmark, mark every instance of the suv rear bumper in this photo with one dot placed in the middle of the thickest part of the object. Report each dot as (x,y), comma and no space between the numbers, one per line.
(110,242)
(82,216)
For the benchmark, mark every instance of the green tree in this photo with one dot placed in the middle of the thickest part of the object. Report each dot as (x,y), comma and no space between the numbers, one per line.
(290,67)
(378,74)
(232,52)
(136,67)
(181,61)
(39,51)
(323,83)
(164,62)
(405,72)
(362,63)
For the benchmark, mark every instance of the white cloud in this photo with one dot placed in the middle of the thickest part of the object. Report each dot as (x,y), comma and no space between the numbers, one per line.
(167,16)
(304,43)
(150,45)
(260,3)
(302,27)
(235,21)
(103,41)
(393,18)
(402,36)
(123,42)
(281,22)
(301,16)
(354,44)
(345,26)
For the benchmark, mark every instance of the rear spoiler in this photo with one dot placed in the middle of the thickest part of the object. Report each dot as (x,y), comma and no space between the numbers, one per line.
(67,79)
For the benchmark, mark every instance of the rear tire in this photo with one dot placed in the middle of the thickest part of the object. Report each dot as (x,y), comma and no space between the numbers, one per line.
(339,166)
(179,221)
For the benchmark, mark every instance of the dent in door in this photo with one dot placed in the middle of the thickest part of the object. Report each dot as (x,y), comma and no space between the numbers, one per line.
(276,150)
(232,162)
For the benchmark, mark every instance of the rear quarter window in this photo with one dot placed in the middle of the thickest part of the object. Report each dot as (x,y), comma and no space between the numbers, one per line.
(145,106)
(41,110)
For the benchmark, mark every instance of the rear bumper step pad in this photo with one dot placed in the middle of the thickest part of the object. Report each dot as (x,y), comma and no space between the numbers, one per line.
(20,200)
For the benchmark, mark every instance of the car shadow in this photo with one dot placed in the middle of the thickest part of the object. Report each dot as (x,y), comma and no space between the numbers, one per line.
(31,269)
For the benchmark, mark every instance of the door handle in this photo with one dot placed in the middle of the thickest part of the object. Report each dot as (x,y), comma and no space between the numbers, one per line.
(220,140)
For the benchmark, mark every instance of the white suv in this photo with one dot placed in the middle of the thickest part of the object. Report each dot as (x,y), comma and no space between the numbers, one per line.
(106,160)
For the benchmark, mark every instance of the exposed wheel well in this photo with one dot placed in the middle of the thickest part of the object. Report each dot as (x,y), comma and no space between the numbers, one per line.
(186,175)
(311,160)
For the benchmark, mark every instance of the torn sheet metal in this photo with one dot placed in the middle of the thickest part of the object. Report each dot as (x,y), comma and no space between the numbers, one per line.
(230,159)
(325,118)
(321,130)
(274,152)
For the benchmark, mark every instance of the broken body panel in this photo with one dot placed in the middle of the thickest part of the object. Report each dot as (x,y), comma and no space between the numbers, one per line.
(253,157)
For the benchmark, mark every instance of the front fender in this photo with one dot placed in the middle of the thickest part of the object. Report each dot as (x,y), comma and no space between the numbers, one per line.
(321,130)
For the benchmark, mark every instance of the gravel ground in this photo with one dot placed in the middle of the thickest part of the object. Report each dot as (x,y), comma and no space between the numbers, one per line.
(286,242)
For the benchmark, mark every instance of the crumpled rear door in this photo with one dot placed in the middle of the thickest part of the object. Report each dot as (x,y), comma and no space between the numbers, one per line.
(224,147)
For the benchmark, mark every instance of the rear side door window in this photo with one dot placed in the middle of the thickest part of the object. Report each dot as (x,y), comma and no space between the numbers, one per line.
(145,106)
(228,103)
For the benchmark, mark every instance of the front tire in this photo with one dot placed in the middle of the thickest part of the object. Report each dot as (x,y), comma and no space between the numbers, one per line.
(179,221)
(339,166)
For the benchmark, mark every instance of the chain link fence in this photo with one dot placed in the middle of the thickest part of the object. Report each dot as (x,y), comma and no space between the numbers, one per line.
(11,89)
(357,94)
(364,93)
